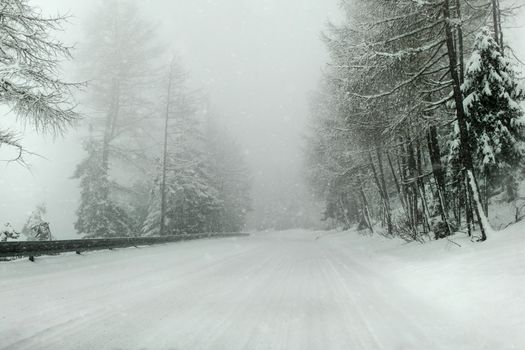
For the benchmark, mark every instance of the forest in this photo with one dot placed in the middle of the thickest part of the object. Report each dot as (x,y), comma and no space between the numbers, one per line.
(418,120)
(156,163)
(415,128)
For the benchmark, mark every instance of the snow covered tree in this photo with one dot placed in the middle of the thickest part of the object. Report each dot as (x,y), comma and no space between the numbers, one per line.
(8,233)
(334,174)
(98,215)
(201,182)
(118,60)
(30,58)
(36,227)
(190,199)
(182,198)
(391,91)
(493,94)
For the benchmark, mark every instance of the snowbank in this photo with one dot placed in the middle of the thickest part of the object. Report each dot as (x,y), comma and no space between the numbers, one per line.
(481,286)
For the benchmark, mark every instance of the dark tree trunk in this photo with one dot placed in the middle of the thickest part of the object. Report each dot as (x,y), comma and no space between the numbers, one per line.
(465,150)
(382,192)
(396,181)
(413,181)
(468,207)
(435,158)
(366,207)
(439,174)
(422,190)
(460,44)
(402,165)
(496,19)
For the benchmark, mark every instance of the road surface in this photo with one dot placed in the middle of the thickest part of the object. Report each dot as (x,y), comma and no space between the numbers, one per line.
(293,290)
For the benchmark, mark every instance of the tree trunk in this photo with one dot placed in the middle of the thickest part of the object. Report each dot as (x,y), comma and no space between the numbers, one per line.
(422,190)
(384,196)
(402,165)
(465,150)
(344,211)
(424,204)
(388,209)
(165,157)
(468,206)
(435,158)
(382,177)
(109,129)
(496,19)
(439,174)
(396,181)
(460,45)
(412,186)
(364,200)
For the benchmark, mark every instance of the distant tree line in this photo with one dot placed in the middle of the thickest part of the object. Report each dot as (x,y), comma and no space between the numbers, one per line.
(156,161)
(417,123)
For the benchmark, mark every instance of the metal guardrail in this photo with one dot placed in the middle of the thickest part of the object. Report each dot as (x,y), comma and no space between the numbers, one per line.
(32,249)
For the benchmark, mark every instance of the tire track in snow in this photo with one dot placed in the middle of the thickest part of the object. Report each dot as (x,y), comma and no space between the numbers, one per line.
(279,291)
(91,313)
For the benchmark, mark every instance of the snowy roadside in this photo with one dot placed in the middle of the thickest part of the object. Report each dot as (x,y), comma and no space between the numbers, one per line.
(478,284)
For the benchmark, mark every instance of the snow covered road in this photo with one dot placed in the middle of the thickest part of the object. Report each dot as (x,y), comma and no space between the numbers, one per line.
(293,290)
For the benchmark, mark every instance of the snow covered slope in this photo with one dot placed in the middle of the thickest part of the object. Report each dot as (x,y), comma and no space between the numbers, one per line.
(289,290)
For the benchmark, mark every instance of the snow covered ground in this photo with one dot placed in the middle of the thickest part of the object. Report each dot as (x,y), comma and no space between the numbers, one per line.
(288,290)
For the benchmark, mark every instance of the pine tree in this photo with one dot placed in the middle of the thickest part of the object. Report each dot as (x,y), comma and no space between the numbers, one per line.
(118,61)
(492,103)
(191,200)
(183,198)
(36,227)
(98,215)
(8,233)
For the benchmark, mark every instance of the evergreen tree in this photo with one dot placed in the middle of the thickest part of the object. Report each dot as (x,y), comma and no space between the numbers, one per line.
(492,102)
(190,199)
(36,227)
(8,233)
(183,198)
(118,61)
(98,215)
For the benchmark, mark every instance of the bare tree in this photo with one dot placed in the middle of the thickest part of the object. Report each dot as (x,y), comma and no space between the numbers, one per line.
(30,59)
(395,83)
